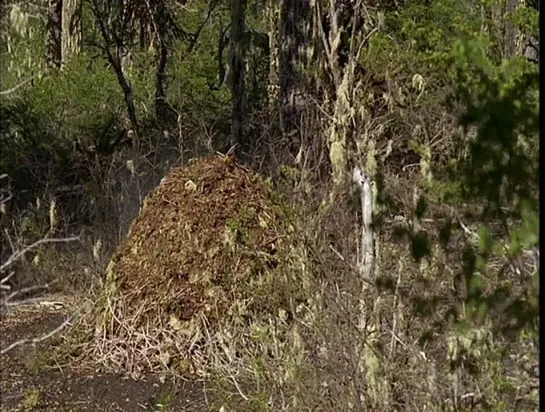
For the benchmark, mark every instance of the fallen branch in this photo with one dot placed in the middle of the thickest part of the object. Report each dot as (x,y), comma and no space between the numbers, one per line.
(25,290)
(15,88)
(20,253)
(34,341)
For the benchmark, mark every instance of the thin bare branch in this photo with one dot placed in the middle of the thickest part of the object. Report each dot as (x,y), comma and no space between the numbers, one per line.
(29,289)
(17,87)
(20,253)
(34,341)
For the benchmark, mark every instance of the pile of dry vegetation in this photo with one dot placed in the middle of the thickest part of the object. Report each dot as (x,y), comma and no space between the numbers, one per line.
(206,259)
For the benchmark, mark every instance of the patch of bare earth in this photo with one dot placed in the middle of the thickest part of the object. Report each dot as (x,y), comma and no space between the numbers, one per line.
(29,383)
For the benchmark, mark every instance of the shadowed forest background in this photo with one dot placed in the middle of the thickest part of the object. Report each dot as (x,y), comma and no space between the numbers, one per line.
(436,101)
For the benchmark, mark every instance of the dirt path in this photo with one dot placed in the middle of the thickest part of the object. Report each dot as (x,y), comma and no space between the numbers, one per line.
(27,384)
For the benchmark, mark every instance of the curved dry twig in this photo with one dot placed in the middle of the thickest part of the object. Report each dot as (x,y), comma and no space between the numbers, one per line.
(20,253)
(42,338)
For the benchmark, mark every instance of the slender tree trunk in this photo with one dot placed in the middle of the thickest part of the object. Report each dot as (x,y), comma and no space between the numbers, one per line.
(295,32)
(161,48)
(341,77)
(127,90)
(71,29)
(341,128)
(273,86)
(530,42)
(144,36)
(54,34)
(115,53)
(517,43)
(510,31)
(237,63)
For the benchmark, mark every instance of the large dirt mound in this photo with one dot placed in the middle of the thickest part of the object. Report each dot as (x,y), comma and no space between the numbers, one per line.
(205,226)
(211,242)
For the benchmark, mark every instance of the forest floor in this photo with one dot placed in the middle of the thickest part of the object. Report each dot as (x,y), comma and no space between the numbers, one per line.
(28,383)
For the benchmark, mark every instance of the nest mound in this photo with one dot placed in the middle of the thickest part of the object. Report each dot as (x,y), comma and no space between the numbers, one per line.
(209,243)
(201,230)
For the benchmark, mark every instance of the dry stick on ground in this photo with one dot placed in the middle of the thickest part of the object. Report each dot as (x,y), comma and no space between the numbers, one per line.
(34,341)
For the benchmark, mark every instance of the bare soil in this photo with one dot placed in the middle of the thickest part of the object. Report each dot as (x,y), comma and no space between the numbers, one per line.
(28,383)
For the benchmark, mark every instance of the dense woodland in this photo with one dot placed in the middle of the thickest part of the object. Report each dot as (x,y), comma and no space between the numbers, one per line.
(436,101)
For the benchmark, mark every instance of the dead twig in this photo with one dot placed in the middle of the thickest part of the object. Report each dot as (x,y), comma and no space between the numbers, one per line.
(15,88)
(20,253)
(35,341)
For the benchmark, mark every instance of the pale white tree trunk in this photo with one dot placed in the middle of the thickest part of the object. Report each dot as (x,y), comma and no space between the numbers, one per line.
(365,260)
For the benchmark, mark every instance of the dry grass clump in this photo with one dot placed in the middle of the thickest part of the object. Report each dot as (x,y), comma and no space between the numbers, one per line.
(209,258)
(424,358)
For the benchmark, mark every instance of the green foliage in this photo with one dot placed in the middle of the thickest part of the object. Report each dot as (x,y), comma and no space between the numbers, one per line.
(500,116)
(193,73)
(418,38)
(163,403)
(502,103)
(41,125)
(526,19)
(65,98)
(420,246)
(455,50)
(421,207)
(445,233)
(472,116)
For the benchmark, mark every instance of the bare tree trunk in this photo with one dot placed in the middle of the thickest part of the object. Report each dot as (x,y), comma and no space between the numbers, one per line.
(530,42)
(54,34)
(295,31)
(144,36)
(342,77)
(510,31)
(161,48)
(340,29)
(127,92)
(516,42)
(114,49)
(341,128)
(273,86)
(71,29)
(237,65)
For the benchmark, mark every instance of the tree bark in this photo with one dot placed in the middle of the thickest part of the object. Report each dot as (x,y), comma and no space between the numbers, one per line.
(54,34)
(273,86)
(114,49)
(294,34)
(516,42)
(161,48)
(237,63)
(340,128)
(71,29)
(510,31)
(341,29)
